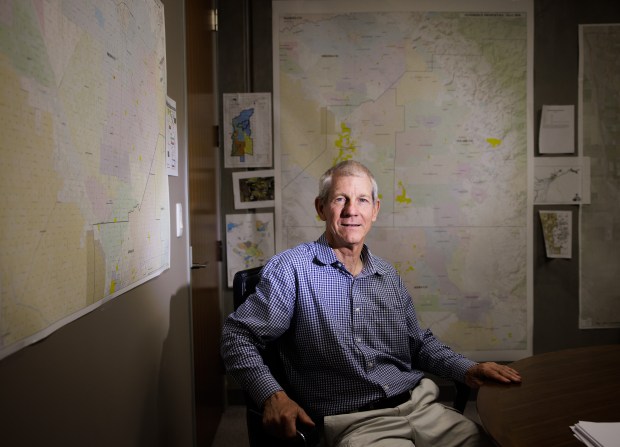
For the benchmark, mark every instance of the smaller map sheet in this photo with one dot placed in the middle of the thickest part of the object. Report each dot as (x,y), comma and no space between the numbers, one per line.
(558,233)
(561,180)
(599,98)
(247,130)
(250,241)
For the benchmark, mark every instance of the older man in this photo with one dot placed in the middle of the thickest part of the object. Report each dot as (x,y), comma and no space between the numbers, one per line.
(348,337)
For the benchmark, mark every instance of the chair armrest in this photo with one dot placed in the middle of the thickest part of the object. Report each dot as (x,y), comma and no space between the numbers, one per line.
(306,436)
(461,397)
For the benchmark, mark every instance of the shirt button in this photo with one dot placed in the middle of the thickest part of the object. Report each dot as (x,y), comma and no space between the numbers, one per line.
(358,340)
(370,364)
(386,387)
(357,309)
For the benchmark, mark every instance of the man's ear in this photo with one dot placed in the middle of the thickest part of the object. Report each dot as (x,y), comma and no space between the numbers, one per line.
(376,211)
(318,205)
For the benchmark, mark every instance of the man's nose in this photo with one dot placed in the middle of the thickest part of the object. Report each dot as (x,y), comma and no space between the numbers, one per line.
(350,207)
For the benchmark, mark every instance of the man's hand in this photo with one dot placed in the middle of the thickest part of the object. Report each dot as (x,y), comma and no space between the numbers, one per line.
(280,415)
(482,373)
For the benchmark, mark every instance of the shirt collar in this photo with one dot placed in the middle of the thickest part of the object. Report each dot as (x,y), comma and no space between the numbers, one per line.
(325,255)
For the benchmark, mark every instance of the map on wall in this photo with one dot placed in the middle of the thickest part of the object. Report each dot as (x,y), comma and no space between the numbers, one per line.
(557,228)
(247,130)
(84,209)
(561,180)
(249,241)
(599,114)
(435,98)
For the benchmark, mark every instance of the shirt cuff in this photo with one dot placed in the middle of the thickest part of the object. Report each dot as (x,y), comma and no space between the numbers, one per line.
(261,388)
(461,369)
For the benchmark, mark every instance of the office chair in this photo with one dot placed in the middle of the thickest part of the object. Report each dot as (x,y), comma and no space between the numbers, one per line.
(244,284)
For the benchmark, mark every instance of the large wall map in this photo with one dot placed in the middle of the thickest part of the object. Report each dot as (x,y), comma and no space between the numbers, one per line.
(435,98)
(84,209)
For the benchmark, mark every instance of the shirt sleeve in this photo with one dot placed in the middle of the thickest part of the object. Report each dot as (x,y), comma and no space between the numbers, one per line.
(262,318)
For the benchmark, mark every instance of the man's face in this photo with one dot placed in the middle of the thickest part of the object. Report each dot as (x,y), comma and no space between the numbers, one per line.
(348,211)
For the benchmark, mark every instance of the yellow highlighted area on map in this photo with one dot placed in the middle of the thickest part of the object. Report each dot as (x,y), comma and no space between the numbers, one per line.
(494,142)
(345,144)
(402,197)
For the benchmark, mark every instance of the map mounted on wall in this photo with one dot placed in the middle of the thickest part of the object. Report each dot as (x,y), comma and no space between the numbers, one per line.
(249,241)
(436,99)
(599,113)
(84,209)
(247,130)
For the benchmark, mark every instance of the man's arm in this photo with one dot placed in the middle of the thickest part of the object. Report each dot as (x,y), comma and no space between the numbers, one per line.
(244,362)
(262,318)
(427,352)
(483,373)
(440,359)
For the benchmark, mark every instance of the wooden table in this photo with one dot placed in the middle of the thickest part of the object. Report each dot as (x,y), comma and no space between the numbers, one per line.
(558,390)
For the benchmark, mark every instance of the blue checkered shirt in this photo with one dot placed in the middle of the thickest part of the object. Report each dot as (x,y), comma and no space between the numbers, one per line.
(344,341)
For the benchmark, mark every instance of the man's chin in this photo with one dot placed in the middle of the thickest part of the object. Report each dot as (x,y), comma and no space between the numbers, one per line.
(353,238)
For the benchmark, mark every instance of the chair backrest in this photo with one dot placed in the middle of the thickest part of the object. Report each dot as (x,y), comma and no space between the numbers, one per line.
(244,284)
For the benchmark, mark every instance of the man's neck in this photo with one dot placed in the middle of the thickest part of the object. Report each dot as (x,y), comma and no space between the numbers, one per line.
(351,258)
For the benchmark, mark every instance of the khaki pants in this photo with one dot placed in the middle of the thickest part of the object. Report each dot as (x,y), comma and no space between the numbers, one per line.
(419,422)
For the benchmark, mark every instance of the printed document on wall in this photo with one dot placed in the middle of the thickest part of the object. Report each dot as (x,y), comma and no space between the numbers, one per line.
(557,130)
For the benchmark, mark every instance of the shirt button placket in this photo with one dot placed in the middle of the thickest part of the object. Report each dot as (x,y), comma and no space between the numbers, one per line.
(355,304)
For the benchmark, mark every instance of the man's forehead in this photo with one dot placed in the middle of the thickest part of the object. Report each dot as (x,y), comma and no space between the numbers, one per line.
(359,179)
